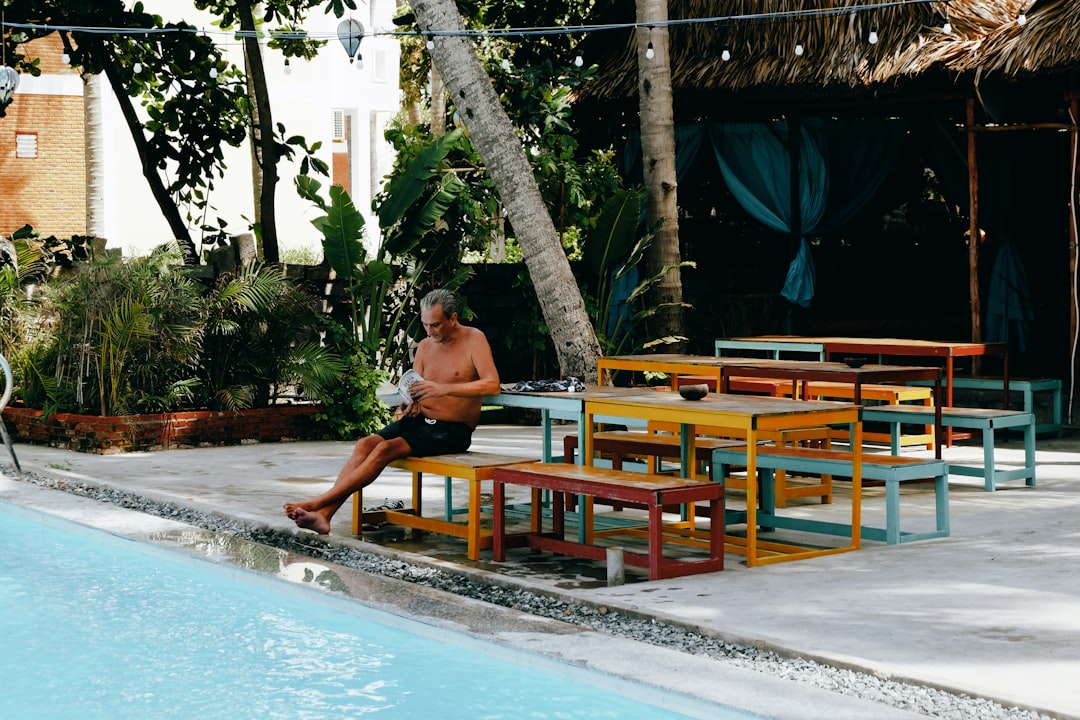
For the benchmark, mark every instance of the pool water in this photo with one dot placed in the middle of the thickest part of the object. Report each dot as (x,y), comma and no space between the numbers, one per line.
(96,626)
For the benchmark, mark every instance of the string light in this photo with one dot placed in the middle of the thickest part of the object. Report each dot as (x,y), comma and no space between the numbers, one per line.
(725,55)
(649,52)
(873,38)
(787,15)
(65,58)
(506,64)
(213,73)
(1022,20)
(288,68)
(136,68)
(579,61)
(947,28)
(799,49)
(430,42)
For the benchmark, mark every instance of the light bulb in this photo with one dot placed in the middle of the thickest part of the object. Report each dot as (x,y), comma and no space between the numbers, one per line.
(726,55)
(213,73)
(430,42)
(798,49)
(579,61)
(66,59)
(506,64)
(359,62)
(946,28)
(649,53)
(872,39)
(288,68)
(136,68)
(1022,20)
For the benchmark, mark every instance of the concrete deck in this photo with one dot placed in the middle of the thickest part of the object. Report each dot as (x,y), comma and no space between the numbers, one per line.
(993,611)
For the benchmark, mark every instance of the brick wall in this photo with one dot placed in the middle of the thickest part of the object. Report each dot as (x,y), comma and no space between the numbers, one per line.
(204,428)
(49,191)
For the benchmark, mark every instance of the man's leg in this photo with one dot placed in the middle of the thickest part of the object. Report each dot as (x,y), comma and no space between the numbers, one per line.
(370,457)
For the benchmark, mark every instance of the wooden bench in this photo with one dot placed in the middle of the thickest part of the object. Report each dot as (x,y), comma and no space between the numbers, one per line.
(890,469)
(1028,388)
(988,420)
(880,393)
(662,441)
(473,467)
(652,491)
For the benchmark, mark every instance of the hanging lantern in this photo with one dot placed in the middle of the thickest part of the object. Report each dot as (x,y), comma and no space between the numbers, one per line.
(9,80)
(350,32)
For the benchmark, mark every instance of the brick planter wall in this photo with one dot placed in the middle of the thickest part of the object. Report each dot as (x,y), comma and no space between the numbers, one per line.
(106,435)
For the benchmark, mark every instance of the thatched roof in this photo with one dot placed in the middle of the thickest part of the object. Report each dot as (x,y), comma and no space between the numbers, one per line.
(986,37)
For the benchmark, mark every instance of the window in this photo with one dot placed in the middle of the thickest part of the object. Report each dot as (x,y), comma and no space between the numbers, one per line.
(25,145)
(339,125)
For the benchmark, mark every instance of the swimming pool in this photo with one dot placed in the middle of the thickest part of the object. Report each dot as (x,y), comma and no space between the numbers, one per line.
(96,626)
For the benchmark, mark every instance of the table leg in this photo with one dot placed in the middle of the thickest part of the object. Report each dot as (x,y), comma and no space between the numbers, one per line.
(751,497)
(498,536)
(948,395)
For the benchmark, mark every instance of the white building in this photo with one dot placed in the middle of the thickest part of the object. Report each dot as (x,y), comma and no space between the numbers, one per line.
(344,105)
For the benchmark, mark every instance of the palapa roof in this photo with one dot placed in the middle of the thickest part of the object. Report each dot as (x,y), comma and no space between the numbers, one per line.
(914,48)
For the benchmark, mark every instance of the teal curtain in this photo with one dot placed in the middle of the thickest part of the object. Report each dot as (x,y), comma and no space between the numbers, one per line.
(841,164)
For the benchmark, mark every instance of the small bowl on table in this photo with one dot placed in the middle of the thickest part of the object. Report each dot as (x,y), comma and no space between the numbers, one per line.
(855,362)
(694,392)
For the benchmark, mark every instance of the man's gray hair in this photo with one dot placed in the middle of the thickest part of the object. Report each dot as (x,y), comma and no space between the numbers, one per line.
(444,298)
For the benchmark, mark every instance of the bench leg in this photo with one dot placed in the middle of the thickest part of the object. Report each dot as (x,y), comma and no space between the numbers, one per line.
(941,503)
(988,459)
(656,539)
(474,519)
(498,539)
(892,512)
(357,511)
(448,498)
(1029,452)
(417,491)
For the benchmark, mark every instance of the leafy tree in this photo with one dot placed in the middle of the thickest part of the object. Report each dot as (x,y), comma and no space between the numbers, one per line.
(179,150)
(181,80)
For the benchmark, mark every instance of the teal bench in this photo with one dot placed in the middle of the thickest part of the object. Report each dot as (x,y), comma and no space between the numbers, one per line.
(890,469)
(988,420)
(1025,386)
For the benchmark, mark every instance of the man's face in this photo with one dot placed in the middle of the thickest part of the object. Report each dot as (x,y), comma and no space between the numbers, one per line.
(436,324)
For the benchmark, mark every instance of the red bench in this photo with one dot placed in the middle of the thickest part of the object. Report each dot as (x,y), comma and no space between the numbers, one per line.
(651,491)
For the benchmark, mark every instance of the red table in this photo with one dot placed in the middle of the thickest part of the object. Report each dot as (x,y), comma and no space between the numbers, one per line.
(896,347)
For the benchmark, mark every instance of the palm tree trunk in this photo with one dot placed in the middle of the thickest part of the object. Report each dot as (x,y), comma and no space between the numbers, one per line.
(499,145)
(658,161)
(95,156)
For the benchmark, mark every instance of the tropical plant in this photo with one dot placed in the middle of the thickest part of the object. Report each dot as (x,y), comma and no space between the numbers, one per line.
(416,252)
(351,405)
(261,337)
(612,255)
(111,334)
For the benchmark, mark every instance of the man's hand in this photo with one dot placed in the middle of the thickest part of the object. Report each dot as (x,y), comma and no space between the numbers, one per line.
(426,390)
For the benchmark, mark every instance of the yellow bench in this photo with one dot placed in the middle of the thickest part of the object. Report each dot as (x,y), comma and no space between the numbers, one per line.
(473,467)
(885,394)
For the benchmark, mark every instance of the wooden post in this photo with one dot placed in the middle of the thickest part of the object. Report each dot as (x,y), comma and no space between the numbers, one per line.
(1074,106)
(973,228)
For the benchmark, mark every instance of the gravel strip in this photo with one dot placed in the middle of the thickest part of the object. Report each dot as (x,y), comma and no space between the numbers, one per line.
(928,701)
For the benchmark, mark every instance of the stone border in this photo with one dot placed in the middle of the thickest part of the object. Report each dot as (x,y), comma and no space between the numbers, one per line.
(166,431)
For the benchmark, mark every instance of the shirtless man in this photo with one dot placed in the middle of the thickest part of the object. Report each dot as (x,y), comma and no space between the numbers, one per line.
(458,370)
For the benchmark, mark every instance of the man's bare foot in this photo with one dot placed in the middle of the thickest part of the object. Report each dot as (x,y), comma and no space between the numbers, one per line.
(292,507)
(310,520)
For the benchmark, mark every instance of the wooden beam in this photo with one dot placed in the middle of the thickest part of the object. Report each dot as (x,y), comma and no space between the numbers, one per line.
(973,227)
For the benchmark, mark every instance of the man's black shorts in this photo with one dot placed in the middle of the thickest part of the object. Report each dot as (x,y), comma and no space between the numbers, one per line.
(429,437)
